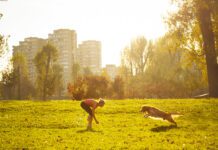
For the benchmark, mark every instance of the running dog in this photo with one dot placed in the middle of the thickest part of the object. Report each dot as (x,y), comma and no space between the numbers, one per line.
(154,112)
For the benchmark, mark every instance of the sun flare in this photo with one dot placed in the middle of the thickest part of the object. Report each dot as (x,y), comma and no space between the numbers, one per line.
(114,23)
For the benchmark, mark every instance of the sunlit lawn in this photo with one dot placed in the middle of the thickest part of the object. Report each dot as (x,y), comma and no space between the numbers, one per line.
(62,124)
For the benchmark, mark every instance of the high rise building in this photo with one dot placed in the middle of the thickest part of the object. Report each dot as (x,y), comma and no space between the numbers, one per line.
(65,41)
(88,55)
(29,48)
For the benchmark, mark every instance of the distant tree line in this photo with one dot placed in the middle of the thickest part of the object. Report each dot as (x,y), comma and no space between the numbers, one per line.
(94,86)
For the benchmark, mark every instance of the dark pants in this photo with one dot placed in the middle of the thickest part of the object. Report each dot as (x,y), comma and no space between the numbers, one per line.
(86,108)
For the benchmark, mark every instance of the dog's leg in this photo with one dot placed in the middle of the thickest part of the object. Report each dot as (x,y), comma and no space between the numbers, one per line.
(170,119)
(146,115)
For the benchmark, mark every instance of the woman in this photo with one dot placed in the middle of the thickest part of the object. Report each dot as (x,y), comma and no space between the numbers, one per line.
(89,105)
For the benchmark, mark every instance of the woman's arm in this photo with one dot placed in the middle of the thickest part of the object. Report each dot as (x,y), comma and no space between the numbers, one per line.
(93,115)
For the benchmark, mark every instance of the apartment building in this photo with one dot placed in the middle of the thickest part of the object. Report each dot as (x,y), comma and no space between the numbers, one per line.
(65,40)
(88,54)
(29,48)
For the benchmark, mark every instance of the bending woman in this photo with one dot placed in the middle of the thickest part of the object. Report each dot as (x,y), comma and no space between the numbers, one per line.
(89,105)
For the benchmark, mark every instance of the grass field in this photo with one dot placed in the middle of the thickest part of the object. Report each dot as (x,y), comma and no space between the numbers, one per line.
(62,125)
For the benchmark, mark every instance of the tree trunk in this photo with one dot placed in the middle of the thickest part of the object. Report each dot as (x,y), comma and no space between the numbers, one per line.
(46,76)
(209,46)
(19,84)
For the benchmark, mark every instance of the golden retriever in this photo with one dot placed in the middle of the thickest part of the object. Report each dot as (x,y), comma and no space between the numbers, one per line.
(154,112)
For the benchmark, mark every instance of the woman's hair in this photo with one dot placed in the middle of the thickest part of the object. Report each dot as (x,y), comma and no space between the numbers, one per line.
(101,101)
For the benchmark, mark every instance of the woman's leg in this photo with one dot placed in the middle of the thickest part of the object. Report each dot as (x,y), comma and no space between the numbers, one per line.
(89,111)
(90,118)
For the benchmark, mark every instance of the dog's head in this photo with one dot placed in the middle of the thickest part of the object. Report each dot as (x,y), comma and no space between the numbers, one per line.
(144,109)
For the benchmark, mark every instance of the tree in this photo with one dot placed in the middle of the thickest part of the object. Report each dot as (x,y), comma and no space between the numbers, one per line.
(1,45)
(3,42)
(7,85)
(134,60)
(196,24)
(58,79)
(105,74)
(96,86)
(136,55)
(20,70)
(77,89)
(87,71)
(4,50)
(89,86)
(171,72)
(45,60)
(118,87)
(204,17)
(15,83)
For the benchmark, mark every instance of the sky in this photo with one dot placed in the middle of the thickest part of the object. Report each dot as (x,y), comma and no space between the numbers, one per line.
(113,22)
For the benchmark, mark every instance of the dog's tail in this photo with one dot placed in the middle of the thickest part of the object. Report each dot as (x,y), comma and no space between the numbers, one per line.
(176,114)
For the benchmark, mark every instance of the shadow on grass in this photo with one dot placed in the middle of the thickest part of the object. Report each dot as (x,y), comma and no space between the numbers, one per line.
(52,126)
(88,130)
(163,128)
